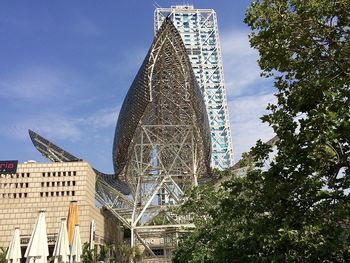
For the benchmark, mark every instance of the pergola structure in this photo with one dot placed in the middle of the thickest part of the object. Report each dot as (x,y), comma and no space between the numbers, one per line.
(161,146)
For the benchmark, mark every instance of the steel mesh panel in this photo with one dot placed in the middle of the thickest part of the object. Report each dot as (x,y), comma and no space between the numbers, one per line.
(150,103)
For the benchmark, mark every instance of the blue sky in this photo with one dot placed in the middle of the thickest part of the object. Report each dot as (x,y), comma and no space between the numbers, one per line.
(67,65)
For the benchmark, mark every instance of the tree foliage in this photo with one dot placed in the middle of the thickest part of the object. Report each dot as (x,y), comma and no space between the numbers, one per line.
(96,255)
(130,254)
(89,255)
(3,252)
(297,210)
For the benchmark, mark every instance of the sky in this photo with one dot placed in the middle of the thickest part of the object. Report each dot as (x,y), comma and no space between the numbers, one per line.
(66,67)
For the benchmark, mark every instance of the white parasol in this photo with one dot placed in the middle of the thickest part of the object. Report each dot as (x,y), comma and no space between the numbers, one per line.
(38,250)
(76,249)
(61,252)
(14,254)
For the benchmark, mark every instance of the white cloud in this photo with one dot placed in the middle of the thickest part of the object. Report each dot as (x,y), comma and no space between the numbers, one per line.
(103,118)
(51,125)
(240,63)
(248,93)
(35,84)
(59,125)
(246,126)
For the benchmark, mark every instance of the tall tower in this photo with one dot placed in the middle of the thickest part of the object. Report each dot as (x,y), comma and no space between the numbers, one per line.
(199,31)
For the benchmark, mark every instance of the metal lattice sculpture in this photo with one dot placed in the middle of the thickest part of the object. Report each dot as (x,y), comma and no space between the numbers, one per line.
(162,141)
(161,145)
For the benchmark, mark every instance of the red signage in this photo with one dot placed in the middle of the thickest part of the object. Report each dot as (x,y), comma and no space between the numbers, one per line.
(8,167)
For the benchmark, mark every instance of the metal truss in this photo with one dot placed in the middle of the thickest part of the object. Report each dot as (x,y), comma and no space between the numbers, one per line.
(161,169)
(162,142)
(199,30)
(161,146)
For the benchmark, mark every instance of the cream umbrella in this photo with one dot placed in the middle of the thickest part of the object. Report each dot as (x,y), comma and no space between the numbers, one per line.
(38,250)
(76,249)
(14,254)
(61,251)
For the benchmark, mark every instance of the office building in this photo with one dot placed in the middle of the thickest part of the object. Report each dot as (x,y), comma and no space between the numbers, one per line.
(199,31)
(51,187)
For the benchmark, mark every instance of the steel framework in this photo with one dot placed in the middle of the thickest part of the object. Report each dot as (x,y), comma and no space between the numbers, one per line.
(199,31)
(161,146)
(162,141)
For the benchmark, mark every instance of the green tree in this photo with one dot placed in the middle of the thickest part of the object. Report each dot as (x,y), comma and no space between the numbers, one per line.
(3,252)
(104,253)
(297,210)
(89,255)
(130,254)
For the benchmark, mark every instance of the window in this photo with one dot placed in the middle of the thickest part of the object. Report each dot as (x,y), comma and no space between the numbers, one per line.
(54,174)
(68,193)
(43,174)
(59,173)
(64,173)
(47,184)
(62,193)
(41,194)
(73,193)
(28,174)
(47,193)
(42,184)
(52,193)
(25,195)
(68,183)
(73,183)
(63,183)
(27,184)
(57,193)
(74,173)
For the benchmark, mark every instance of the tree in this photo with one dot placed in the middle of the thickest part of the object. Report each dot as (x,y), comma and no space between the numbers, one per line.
(89,255)
(93,255)
(104,253)
(130,254)
(297,210)
(3,252)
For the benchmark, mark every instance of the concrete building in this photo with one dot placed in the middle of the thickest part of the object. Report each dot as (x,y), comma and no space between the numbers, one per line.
(199,31)
(51,187)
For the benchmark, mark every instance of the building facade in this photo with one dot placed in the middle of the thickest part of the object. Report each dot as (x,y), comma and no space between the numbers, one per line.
(51,187)
(199,31)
